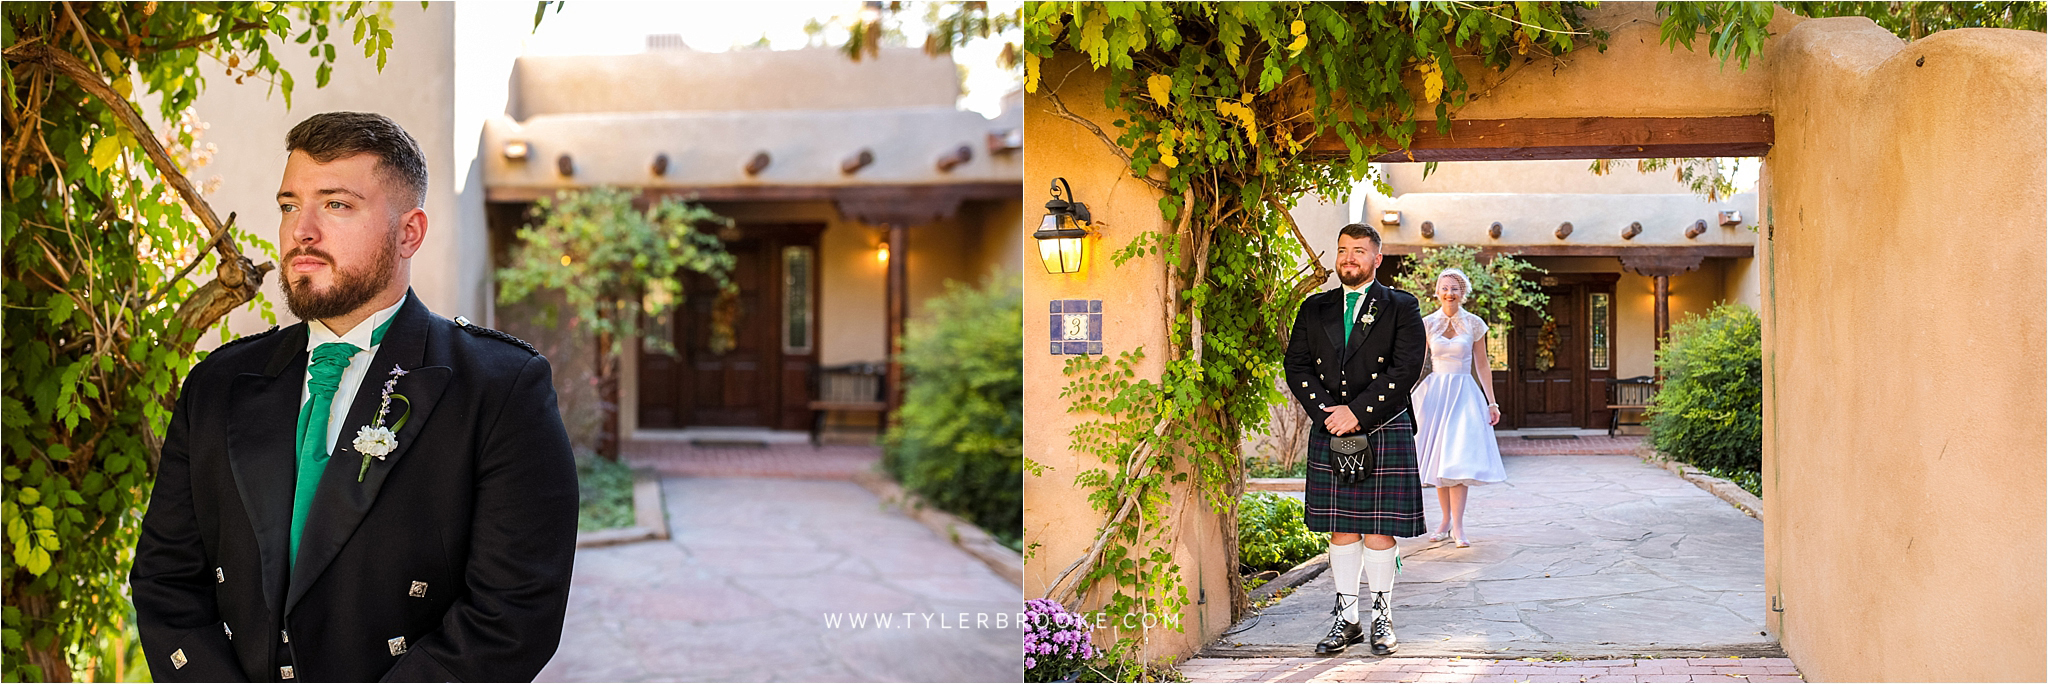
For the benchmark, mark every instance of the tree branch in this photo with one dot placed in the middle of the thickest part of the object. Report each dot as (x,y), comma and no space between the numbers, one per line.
(238,278)
(1060,110)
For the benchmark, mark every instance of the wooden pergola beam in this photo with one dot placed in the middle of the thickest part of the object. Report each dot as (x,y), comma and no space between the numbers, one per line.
(1575,138)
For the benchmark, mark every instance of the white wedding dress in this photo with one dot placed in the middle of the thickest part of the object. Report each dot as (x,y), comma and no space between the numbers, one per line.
(1454,443)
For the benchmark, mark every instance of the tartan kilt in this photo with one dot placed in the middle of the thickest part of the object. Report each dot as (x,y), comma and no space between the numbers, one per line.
(1389,502)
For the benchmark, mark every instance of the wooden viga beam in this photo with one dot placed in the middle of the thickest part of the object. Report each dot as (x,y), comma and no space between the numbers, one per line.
(1575,138)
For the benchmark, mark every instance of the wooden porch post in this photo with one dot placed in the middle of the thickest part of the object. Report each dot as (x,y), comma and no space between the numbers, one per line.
(1663,318)
(899,308)
(1659,268)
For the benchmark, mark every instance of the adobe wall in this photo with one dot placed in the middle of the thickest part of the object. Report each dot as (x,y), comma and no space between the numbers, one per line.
(1903,289)
(1059,523)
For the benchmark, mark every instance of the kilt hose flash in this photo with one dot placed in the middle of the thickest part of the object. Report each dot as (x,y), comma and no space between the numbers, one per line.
(1389,502)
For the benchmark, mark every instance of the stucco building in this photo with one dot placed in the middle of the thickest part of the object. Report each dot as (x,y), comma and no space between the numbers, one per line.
(1624,254)
(859,189)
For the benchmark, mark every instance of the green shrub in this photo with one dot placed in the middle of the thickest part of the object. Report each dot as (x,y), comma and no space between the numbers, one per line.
(604,489)
(1709,412)
(959,441)
(1271,534)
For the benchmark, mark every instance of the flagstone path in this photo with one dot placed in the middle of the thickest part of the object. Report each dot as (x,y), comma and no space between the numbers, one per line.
(1586,556)
(756,570)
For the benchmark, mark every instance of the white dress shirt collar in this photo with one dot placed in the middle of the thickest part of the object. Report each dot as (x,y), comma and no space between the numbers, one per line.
(318,334)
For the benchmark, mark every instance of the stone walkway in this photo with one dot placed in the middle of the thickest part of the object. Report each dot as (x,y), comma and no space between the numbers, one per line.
(756,575)
(1589,556)
(1716,670)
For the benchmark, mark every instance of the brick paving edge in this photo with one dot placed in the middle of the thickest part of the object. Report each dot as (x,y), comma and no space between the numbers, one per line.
(1006,563)
(650,515)
(1727,491)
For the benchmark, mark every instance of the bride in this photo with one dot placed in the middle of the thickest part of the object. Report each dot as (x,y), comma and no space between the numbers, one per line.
(1455,409)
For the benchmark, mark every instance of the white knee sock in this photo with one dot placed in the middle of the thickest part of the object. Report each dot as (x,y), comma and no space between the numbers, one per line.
(1379,571)
(1344,566)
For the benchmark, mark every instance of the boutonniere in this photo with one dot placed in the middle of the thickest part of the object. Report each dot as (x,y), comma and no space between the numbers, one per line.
(375,440)
(1369,308)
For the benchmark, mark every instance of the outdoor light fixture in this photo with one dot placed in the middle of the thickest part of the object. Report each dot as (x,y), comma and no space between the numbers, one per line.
(1390,218)
(515,149)
(882,253)
(1731,218)
(1063,233)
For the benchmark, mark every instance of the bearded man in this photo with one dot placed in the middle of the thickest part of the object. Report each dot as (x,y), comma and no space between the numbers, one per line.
(374,493)
(1354,353)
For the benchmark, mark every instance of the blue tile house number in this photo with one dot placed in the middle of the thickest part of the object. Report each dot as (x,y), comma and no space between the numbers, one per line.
(1076,326)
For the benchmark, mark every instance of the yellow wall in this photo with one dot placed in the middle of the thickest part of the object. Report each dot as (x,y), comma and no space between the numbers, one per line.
(1904,437)
(1059,524)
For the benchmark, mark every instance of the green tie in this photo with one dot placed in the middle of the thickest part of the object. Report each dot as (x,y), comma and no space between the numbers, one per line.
(324,371)
(1350,313)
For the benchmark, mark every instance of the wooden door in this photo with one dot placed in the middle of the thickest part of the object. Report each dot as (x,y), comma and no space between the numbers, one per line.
(1549,360)
(741,374)
(1567,387)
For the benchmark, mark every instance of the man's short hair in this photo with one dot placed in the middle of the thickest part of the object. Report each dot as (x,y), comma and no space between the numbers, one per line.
(1358,231)
(333,135)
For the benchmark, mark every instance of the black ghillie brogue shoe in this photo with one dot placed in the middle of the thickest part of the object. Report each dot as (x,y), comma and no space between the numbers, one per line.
(1343,633)
(1383,640)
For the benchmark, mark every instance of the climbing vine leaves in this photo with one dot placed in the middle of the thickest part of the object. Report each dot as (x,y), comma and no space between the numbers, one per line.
(102,227)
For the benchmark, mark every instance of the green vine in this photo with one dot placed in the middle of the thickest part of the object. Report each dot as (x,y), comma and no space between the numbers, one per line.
(1228,111)
(102,227)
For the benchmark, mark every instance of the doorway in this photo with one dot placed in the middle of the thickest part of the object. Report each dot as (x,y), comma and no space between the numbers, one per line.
(744,359)
(1558,369)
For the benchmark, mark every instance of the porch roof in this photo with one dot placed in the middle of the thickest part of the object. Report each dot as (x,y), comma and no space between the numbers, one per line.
(762,154)
(1601,224)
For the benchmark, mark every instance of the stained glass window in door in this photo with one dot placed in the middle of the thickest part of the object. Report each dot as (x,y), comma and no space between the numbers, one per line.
(798,320)
(1601,305)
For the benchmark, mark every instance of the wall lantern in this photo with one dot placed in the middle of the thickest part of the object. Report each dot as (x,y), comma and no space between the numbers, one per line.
(1063,233)
(515,150)
(1390,218)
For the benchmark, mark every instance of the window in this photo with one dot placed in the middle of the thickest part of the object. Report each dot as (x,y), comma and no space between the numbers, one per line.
(798,321)
(1497,345)
(1601,311)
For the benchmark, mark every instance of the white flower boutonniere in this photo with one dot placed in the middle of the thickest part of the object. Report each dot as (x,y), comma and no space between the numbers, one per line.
(375,440)
(1369,308)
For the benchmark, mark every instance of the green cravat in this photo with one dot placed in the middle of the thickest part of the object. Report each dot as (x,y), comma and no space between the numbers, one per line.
(1350,312)
(324,370)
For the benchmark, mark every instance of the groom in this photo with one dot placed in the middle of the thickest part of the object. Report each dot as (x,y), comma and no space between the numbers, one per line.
(1352,356)
(304,526)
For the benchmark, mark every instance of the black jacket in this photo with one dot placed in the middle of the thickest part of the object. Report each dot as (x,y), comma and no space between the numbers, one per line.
(1374,372)
(460,541)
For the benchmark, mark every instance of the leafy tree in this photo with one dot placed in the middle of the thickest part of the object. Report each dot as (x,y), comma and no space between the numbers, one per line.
(1915,20)
(1498,285)
(101,227)
(613,264)
(1710,410)
(959,438)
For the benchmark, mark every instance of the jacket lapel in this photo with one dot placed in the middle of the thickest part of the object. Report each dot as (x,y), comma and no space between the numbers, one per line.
(341,502)
(1333,317)
(265,411)
(1371,303)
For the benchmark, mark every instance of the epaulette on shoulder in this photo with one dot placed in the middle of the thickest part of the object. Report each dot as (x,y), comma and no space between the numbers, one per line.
(495,334)
(246,338)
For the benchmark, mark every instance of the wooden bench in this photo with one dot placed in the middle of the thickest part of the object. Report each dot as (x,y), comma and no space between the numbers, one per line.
(1628,394)
(854,387)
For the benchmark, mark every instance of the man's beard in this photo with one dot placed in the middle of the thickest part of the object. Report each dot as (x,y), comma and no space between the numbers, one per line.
(1354,278)
(350,291)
